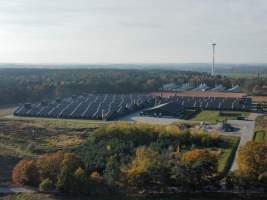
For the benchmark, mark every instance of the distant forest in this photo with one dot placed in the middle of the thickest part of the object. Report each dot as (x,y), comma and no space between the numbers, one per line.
(28,85)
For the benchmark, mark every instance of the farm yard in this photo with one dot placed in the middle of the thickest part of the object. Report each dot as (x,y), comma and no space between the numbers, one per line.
(217,116)
(99,142)
(26,138)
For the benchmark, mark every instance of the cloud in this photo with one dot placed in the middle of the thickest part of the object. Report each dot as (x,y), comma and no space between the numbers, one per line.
(133,30)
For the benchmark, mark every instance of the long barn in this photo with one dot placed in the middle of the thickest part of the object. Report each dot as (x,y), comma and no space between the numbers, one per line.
(114,106)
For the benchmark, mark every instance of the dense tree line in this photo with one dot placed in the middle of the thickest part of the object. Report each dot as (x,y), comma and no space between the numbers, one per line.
(21,85)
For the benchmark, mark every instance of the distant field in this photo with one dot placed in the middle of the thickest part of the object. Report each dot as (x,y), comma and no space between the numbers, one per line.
(214,116)
(6,111)
(242,74)
(238,74)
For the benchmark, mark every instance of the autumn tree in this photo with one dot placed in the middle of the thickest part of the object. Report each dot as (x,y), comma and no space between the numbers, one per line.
(49,165)
(199,168)
(25,173)
(69,165)
(145,169)
(252,160)
(252,165)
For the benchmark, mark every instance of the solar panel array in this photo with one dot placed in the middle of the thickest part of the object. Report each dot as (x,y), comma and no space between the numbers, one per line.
(112,106)
(212,103)
(89,106)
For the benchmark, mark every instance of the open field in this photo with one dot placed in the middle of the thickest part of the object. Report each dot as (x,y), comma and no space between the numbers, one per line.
(227,155)
(29,137)
(5,111)
(198,94)
(260,134)
(215,116)
(241,74)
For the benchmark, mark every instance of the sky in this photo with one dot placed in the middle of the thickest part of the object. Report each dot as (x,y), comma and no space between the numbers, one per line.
(132,31)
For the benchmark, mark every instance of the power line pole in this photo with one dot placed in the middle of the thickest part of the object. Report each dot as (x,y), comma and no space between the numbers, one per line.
(213,59)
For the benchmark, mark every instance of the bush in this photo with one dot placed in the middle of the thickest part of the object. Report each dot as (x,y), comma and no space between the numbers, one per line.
(122,140)
(199,168)
(147,168)
(263,179)
(46,185)
(49,165)
(31,147)
(25,173)
(68,167)
(252,159)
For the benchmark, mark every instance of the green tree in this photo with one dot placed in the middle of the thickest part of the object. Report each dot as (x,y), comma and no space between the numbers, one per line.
(66,178)
(112,172)
(199,168)
(146,169)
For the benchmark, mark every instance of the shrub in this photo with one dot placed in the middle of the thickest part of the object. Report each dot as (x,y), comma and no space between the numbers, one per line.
(199,168)
(68,166)
(263,179)
(96,177)
(80,182)
(252,159)
(122,139)
(46,185)
(31,147)
(49,165)
(25,173)
(145,169)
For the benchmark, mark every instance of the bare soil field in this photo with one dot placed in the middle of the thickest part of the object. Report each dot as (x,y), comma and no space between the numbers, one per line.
(260,99)
(199,94)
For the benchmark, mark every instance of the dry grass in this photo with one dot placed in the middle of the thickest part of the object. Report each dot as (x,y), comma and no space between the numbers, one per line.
(26,138)
(64,140)
(7,111)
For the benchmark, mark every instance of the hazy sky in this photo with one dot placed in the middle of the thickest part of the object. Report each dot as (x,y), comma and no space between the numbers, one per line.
(132,31)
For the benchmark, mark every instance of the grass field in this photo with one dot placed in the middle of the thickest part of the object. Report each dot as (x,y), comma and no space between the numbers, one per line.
(29,137)
(260,134)
(215,116)
(227,155)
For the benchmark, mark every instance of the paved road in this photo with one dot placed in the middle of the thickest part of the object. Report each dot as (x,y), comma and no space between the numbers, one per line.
(247,133)
(149,120)
(8,190)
